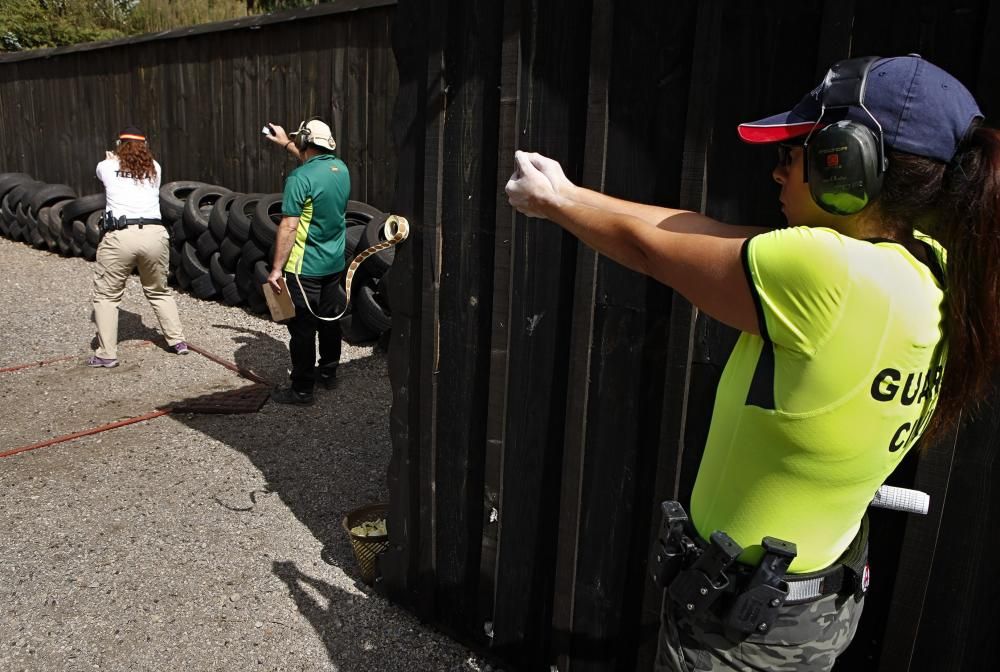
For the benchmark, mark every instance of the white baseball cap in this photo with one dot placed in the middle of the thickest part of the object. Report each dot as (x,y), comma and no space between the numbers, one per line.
(317,132)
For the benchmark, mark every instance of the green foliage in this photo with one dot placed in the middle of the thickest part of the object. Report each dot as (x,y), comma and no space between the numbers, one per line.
(35,24)
(32,24)
(156,15)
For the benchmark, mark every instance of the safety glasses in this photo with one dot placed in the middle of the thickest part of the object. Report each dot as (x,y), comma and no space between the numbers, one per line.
(785,152)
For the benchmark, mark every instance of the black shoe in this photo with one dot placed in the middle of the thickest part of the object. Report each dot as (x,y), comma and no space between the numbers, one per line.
(286,395)
(327,378)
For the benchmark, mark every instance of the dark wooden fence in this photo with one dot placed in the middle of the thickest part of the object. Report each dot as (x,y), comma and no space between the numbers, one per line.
(546,399)
(203,94)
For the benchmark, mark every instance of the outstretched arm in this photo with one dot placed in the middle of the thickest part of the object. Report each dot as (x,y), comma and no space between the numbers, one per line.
(670,219)
(696,255)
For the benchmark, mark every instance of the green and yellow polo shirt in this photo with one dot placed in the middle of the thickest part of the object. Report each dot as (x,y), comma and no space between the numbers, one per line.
(316,192)
(812,415)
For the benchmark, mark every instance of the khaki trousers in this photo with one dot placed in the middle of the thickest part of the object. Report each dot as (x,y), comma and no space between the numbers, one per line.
(120,252)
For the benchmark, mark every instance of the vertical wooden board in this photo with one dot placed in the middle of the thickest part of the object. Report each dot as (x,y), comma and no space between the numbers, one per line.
(355,134)
(400,563)
(383,85)
(582,340)
(553,90)
(338,87)
(957,624)
(430,352)
(507,139)
(468,207)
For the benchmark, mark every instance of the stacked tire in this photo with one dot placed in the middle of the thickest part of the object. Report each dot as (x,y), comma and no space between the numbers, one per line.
(221,242)
(31,211)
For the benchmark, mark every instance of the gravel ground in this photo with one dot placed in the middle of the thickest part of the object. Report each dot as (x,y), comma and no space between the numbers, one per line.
(195,542)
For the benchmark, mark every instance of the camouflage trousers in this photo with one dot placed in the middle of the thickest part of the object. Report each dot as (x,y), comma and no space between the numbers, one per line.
(805,638)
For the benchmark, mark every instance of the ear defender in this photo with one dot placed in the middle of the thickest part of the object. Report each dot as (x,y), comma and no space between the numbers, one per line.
(304,135)
(844,161)
(844,173)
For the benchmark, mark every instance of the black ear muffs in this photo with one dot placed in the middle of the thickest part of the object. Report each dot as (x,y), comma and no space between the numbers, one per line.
(304,136)
(844,161)
(843,167)
(302,139)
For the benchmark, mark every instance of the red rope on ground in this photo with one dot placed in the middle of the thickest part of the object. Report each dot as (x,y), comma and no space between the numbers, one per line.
(86,432)
(246,373)
(45,362)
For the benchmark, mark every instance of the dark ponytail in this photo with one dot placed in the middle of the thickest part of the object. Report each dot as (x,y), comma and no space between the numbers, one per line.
(964,199)
(968,225)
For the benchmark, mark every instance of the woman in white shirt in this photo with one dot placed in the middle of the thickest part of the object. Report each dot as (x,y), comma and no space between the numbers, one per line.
(133,236)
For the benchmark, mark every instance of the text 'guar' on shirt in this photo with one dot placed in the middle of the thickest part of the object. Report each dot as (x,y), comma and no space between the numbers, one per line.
(316,192)
(811,416)
(127,196)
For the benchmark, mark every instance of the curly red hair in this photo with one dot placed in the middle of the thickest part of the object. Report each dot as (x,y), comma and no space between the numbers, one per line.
(136,159)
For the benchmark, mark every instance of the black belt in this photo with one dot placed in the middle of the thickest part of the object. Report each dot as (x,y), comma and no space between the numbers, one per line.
(110,223)
(849,574)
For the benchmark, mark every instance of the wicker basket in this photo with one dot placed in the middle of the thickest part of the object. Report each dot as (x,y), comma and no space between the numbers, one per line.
(367,548)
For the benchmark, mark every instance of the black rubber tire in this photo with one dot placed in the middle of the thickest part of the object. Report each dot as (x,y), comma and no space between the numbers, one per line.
(63,235)
(378,263)
(198,207)
(183,278)
(221,276)
(10,180)
(240,212)
(370,311)
(93,227)
(36,236)
(251,253)
(266,217)
(23,192)
(231,295)
(229,253)
(177,231)
(191,263)
(88,251)
(244,278)
(361,213)
(207,246)
(260,272)
(354,331)
(203,287)
(382,295)
(45,228)
(79,231)
(6,213)
(173,195)
(352,239)
(175,257)
(218,220)
(48,195)
(79,208)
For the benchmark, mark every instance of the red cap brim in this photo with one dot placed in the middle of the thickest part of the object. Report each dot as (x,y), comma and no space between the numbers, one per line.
(757,133)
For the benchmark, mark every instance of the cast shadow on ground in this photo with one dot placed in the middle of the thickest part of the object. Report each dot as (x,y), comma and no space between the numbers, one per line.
(132,328)
(321,460)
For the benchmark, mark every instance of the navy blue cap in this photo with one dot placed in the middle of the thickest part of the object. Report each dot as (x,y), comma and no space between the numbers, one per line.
(922,110)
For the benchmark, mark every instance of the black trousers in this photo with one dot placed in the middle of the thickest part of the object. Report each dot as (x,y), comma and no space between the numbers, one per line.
(325,297)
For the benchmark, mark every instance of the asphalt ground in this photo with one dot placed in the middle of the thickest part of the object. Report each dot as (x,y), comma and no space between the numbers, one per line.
(187,541)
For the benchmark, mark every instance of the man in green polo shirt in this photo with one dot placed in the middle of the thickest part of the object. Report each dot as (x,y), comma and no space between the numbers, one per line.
(309,255)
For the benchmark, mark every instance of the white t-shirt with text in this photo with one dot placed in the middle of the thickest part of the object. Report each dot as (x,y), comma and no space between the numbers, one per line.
(126,196)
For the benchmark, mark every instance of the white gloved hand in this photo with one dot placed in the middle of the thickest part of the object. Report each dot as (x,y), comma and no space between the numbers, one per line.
(528,190)
(551,169)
